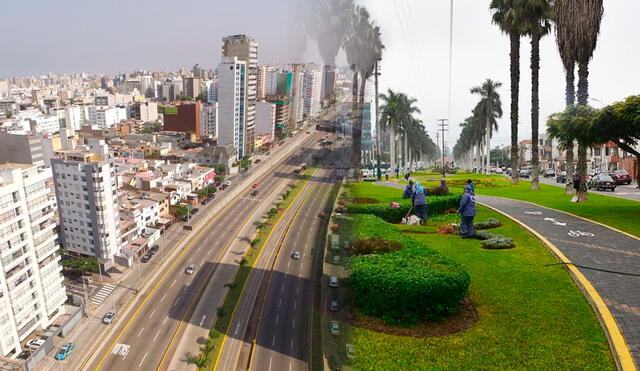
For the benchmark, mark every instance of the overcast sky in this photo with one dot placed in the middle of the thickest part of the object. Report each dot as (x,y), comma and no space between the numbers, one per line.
(123,35)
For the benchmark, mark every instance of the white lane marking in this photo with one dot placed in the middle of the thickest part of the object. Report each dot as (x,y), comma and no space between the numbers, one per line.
(288,264)
(165,319)
(143,358)
(291,349)
(279,302)
(237,328)
(152,313)
(294,323)
(139,333)
(270,359)
(202,320)
(289,366)
(161,300)
(282,288)
(277,316)
(174,282)
(155,337)
(297,288)
(176,302)
(273,339)
(295,304)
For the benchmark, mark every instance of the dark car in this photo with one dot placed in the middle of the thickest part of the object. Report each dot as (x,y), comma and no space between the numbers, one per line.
(145,258)
(154,249)
(184,219)
(561,177)
(620,177)
(194,210)
(548,173)
(602,182)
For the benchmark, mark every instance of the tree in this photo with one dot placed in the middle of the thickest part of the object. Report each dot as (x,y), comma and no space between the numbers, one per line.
(577,29)
(507,17)
(536,19)
(146,131)
(202,97)
(619,123)
(396,115)
(488,109)
(180,211)
(183,97)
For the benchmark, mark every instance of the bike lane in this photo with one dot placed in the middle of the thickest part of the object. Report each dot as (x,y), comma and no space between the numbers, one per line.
(608,259)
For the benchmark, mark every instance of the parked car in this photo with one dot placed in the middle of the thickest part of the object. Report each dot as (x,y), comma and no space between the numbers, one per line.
(145,258)
(65,350)
(333,305)
(333,281)
(184,219)
(194,210)
(190,269)
(86,279)
(109,317)
(524,173)
(602,182)
(36,343)
(498,170)
(621,177)
(25,354)
(257,161)
(335,328)
(561,177)
(548,173)
(351,351)
(154,249)
(295,255)
(227,183)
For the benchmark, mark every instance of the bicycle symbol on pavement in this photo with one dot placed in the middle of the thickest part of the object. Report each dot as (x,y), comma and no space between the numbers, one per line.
(573,233)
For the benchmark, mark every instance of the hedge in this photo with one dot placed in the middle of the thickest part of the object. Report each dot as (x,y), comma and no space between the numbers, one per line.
(410,285)
(436,205)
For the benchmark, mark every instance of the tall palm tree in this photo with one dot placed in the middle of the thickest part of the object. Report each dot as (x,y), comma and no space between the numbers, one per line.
(508,17)
(487,111)
(577,29)
(390,116)
(536,19)
(328,23)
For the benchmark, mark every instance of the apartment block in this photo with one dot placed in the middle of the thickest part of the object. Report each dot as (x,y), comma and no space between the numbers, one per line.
(32,295)
(232,74)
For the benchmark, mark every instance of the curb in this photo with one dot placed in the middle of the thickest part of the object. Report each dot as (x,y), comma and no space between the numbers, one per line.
(619,348)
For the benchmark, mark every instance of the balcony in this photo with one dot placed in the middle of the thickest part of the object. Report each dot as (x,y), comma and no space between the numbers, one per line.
(44,212)
(43,227)
(46,236)
(45,250)
(15,270)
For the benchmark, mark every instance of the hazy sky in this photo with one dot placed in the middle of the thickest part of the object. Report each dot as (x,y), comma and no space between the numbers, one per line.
(124,35)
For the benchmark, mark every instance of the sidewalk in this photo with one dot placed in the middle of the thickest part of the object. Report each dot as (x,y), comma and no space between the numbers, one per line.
(604,263)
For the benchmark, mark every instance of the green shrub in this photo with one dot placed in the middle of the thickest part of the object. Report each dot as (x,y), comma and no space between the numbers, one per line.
(498,243)
(410,285)
(437,191)
(483,235)
(371,226)
(488,224)
(374,246)
(436,205)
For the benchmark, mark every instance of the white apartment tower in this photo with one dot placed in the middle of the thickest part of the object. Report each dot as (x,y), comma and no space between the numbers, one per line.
(31,292)
(245,49)
(312,89)
(232,74)
(86,190)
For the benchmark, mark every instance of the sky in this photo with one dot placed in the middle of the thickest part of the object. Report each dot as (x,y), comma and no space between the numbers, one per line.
(69,36)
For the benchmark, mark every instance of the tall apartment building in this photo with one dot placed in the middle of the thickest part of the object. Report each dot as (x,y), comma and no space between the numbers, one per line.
(31,292)
(192,86)
(147,86)
(209,120)
(328,82)
(85,184)
(245,49)
(143,111)
(297,95)
(312,88)
(106,117)
(232,109)
(212,91)
(261,81)
(265,117)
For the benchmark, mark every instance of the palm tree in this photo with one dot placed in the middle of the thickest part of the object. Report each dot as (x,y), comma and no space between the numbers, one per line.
(577,29)
(396,113)
(507,16)
(328,24)
(536,19)
(487,111)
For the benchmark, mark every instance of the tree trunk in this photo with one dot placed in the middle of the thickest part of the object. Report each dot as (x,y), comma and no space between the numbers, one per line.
(582,173)
(583,82)
(378,133)
(355,135)
(487,166)
(570,89)
(392,146)
(478,158)
(535,106)
(405,155)
(514,40)
(358,129)
(569,170)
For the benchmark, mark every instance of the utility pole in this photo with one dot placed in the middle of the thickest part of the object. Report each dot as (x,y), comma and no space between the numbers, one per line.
(378,133)
(442,126)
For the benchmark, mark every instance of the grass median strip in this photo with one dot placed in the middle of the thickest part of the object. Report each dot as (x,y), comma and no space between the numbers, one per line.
(211,349)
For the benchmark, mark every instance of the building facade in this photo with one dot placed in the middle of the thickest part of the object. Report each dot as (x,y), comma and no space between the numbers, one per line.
(183,117)
(232,74)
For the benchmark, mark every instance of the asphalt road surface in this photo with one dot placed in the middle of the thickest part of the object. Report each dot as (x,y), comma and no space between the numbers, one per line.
(147,332)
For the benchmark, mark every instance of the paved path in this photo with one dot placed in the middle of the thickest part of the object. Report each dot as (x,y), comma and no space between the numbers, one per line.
(590,244)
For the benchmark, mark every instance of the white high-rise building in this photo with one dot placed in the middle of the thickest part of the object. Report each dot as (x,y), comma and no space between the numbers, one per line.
(32,295)
(209,120)
(232,109)
(312,89)
(73,117)
(86,191)
(105,117)
(265,118)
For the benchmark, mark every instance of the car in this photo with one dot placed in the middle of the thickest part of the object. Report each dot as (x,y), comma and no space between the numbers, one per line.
(295,255)
(335,328)
(65,350)
(227,183)
(25,354)
(154,249)
(145,258)
(109,317)
(267,153)
(333,305)
(523,173)
(602,182)
(190,269)
(86,279)
(620,177)
(548,173)
(351,351)
(36,343)
(194,210)
(498,171)
(561,177)
(333,281)
(184,219)
(308,132)
(257,161)
(254,192)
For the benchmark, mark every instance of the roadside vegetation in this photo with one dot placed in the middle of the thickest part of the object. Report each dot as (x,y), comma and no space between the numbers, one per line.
(521,310)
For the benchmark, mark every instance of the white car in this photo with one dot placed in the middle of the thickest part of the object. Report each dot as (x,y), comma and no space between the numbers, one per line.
(334,305)
(295,255)
(335,328)
(190,269)
(227,183)
(36,343)
(108,318)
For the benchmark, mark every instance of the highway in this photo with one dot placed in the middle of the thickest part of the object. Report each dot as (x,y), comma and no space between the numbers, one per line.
(148,331)
(279,296)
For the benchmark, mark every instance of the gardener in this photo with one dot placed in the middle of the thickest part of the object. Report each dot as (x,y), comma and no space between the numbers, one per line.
(469,182)
(576,181)
(408,190)
(419,199)
(467,211)
(443,186)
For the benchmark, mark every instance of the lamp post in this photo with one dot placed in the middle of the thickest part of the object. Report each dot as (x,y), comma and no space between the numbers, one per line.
(443,126)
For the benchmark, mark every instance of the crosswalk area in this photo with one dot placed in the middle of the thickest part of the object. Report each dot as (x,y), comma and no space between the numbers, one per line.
(254,199)
(103,293)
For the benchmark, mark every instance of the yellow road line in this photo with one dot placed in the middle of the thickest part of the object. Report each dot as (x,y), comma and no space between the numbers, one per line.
(617,342)
(244,285)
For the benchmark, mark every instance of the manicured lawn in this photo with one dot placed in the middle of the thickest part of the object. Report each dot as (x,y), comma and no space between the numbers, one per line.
(530,316)
(612,211)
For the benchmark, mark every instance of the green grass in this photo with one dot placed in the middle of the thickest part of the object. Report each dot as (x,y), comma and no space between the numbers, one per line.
(616,212)
(530,316)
